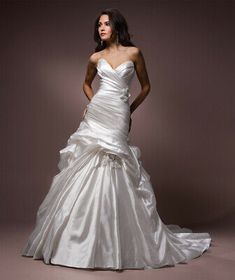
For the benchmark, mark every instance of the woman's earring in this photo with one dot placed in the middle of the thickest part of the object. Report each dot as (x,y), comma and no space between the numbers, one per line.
(101,42)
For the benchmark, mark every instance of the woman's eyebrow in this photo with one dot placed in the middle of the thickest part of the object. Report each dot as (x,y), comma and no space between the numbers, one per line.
(105,21)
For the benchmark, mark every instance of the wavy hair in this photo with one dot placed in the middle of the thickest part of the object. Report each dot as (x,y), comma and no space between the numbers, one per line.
(118,25)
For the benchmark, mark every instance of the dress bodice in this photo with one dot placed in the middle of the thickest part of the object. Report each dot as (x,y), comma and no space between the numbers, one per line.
(117,80)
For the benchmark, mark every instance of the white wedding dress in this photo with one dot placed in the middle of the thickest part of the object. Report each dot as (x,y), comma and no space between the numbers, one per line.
(100,210)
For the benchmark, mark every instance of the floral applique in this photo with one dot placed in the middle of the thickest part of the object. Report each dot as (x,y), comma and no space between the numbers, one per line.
(125,94)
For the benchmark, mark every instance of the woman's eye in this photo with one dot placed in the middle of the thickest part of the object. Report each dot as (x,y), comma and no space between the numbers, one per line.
(107,23)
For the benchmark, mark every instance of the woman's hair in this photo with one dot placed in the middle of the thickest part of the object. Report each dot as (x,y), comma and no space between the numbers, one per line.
(118,25)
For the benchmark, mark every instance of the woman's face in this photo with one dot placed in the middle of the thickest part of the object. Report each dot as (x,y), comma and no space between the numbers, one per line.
(104,28)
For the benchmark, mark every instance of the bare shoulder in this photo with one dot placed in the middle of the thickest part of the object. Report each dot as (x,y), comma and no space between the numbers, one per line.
(135,53)
(94,57)
(133,50)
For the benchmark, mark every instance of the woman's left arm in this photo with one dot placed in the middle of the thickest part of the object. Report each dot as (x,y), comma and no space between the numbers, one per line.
(142,77)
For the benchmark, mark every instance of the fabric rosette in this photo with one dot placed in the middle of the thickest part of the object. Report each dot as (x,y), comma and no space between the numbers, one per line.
(125,94)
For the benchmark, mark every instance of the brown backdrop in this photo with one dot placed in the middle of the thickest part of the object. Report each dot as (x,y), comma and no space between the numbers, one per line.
(185,127)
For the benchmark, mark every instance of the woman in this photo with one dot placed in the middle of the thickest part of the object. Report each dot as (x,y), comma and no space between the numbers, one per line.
(100,211)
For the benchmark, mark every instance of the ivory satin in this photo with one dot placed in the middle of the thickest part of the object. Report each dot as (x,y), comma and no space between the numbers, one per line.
(100,210)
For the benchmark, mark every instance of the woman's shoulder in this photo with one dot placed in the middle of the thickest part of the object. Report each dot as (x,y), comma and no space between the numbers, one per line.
(133,50)
(94,57)
(134,53)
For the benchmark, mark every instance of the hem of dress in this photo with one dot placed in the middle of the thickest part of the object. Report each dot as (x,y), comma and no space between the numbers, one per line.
(112,268)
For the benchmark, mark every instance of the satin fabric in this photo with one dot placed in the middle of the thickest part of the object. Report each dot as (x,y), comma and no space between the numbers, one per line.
(100,210)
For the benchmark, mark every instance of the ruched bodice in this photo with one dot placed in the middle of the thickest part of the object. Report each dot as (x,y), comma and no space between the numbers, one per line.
(115,82)
(108,114)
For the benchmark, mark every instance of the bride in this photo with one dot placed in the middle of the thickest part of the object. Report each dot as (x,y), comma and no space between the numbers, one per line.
(100,210)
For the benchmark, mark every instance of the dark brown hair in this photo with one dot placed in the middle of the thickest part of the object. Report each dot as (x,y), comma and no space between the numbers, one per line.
(119,26)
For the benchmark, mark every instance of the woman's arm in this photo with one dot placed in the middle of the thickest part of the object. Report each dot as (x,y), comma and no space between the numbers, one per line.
(142,77)
(89,77)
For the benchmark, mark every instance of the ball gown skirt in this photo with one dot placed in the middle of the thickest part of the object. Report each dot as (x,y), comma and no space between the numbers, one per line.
(100,211)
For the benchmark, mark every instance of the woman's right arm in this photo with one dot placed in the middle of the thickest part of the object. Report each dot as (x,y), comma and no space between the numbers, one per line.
(89,77)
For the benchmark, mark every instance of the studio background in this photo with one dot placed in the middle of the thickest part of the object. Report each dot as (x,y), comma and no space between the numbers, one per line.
(184,128)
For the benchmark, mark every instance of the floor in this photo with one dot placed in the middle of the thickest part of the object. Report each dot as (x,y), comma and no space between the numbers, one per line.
(216,263)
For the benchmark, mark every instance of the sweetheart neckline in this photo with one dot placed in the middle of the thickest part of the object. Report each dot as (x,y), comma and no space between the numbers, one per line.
(114,69)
